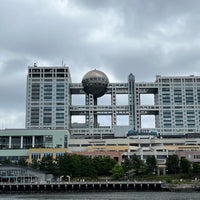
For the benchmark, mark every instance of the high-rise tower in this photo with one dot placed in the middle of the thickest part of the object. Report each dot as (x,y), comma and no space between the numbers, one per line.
(47,100)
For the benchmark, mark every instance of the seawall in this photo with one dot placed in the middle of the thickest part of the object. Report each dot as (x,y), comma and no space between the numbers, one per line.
(95,186)
(81,187)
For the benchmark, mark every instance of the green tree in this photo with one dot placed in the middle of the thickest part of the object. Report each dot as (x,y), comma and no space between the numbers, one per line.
(23,162)
(134,166)
(196,168)
(172,164)
(117,171)
(185,166)
(34,164)
(87,167)
(64,166)
(127,164)
(48,164)
(76,165)
(151,163)
(138,165)
(82,166)
(104,165)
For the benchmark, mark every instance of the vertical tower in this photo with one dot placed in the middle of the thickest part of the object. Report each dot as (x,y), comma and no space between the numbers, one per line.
(48,97)
(131,97)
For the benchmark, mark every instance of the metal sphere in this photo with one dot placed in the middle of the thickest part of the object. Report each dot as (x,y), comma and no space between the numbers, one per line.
(95,82)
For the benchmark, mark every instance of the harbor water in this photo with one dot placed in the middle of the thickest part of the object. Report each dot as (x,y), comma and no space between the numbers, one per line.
(106,196)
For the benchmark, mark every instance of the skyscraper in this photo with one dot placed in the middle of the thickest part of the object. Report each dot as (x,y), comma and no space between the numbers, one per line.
(178,100)
(47,99)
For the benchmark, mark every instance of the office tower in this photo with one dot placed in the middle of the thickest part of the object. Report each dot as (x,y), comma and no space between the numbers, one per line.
(47,99)
(178,101)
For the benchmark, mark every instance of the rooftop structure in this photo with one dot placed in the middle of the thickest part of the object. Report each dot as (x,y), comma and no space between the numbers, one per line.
(95,83)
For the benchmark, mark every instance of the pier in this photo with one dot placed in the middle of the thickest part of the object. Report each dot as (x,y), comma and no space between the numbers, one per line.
(81,186)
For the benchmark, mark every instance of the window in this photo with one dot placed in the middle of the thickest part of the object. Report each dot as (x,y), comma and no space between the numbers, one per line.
(59,154)
(36,156)
(27,142)
(48,154)
(16,142)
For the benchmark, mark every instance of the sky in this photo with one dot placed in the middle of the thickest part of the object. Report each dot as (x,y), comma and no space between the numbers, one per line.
(143,37)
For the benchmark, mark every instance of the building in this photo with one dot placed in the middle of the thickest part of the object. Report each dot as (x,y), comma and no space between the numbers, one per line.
(19,175)
(39,153)
(178,99)
(34,144)
(140,145)
(50,94)
(15,144)
(48,97)
(51,110)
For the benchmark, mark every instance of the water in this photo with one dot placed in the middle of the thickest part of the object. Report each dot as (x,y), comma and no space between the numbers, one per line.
(107,196)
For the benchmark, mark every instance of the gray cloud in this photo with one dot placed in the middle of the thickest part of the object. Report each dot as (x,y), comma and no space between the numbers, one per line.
(117,37)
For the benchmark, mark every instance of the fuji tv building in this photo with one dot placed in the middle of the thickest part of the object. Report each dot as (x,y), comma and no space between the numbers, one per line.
(53,102)
(85,118)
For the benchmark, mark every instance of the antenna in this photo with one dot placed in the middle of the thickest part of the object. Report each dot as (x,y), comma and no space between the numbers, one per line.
(2,124)
(35,64)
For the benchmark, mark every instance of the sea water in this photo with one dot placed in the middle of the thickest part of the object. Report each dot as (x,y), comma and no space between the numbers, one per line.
(106,196)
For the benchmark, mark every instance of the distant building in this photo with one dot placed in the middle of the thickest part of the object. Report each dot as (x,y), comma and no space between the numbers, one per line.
(175,107)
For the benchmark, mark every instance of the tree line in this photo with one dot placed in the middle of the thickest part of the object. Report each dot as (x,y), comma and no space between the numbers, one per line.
(181,166)
(174,166)
(77,166)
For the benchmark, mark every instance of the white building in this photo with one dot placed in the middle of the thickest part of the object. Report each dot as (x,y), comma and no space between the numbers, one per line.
(50,92)
(48,97)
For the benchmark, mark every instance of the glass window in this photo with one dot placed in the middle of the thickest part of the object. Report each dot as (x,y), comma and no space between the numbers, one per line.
(48,154)
(35,156)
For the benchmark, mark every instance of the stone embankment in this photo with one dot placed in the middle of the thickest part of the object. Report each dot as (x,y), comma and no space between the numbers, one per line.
(181,187)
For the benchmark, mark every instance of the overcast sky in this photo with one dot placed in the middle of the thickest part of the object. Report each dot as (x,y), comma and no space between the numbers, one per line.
(143,37)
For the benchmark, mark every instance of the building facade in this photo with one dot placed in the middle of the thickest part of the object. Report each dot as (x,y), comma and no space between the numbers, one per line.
(15,144)
(34,144)
(47,98)
(20,175)
(175,107)
(178,100)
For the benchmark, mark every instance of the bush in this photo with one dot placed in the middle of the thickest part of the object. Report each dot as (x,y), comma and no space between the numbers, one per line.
(168,180)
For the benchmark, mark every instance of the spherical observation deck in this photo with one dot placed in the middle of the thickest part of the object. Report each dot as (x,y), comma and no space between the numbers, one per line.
(95,82)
